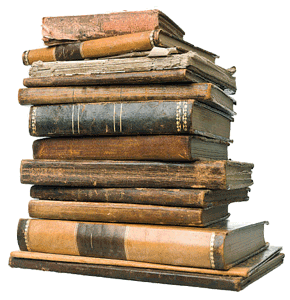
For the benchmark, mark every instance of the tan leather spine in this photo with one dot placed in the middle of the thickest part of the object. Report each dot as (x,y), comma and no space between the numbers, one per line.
(168,247)
(116,45)
(59,237)
(43,54)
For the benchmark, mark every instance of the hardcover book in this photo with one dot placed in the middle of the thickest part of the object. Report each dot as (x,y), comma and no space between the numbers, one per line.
(203,69)
(129,118)
(154,196)
(235,279)
(221,175)
(219,246)
(153,148)
(68,29)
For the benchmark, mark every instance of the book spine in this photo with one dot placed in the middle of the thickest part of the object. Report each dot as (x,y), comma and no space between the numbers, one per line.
(116,148)
(169,197)
(133,118)
(162,76)
(107,174)
(87,94)
(125,213)
(109,46)
(153,244)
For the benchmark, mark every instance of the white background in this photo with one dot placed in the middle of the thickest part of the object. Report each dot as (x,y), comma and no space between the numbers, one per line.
(253,36)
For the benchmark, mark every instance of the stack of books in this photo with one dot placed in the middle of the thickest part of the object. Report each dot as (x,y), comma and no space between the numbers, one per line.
(132,178)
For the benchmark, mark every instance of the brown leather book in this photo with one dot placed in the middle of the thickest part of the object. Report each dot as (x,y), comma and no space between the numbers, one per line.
(221,175)
(202,69)
(129,118)
(147,77)
(110,46)
(155,148)
(219,246)
(146,272)
(164,197)
(67,29)
(126,213)
(203,92)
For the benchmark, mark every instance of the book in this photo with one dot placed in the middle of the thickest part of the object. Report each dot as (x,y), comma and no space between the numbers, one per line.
(129,118)
(126,213)
(154,196)
(219,246)
(67,29)
(203,69)
(147,77)
(154,148)
(110,46)
(221,175)
(235,279)
(204,92)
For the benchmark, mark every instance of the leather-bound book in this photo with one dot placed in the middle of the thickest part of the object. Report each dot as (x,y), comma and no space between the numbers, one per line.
(110,46)
(203,92)
(129,118)
(154,196)
(126,213)
(237,278)
(68,29)
(154,148)
(221,175)
(203,69)
(219,246)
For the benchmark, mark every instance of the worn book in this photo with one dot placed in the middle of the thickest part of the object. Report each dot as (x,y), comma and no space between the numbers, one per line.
(219,246)
(126,213)
(110,46)
(221,175)
(129,118)
(204,92)
(154,196)
(68,29)
(235,279)
(154,148)
(203,69)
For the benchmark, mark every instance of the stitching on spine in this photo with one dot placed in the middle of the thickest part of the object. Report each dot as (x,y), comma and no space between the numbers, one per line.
(211,253)
(26,235)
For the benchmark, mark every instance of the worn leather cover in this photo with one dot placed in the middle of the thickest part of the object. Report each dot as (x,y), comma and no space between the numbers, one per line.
(126,213)
(65,29)
(153,148)
(129,118)
(172,245)
(221,175)
(225,280)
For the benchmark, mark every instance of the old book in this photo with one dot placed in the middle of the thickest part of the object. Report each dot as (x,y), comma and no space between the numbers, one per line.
(126,213)
(221,175)
(68,29)
(203,69)
(129,118)
(219,246)
(110,46)
(236,278)
(154,196)
(155,147)
(147,77)
(203,92)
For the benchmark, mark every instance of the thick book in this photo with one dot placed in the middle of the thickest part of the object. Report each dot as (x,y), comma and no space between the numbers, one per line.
(219,246)
(154,196)
(203,69)
(129,118)
(236,278)
(153,148)
(221,175)
(110,46)
(68,29)
(126,213)
(204,92)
